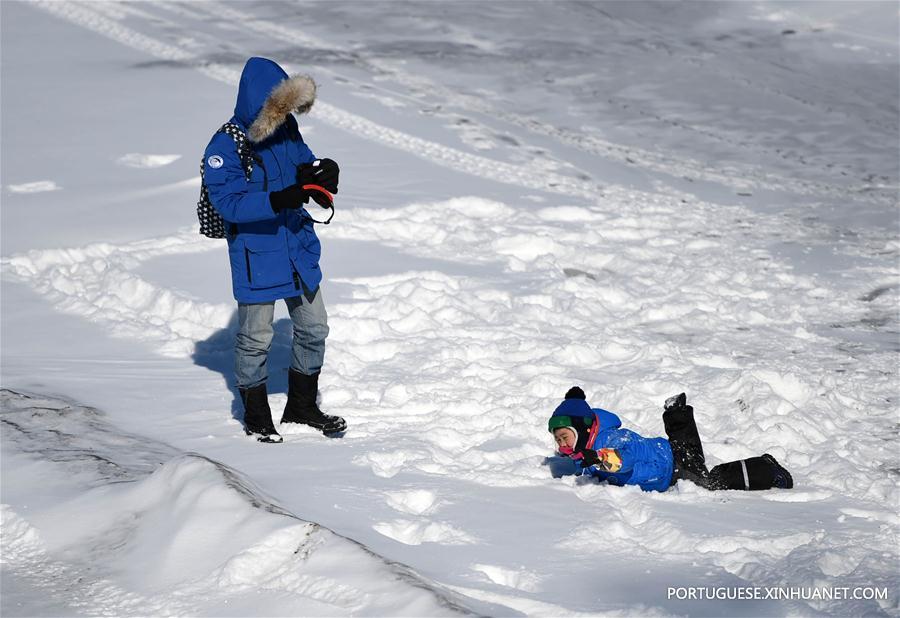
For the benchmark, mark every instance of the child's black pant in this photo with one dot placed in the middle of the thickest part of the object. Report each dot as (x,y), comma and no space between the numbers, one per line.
(690,464)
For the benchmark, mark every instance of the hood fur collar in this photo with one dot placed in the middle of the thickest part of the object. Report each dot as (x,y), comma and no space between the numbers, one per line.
(295,94)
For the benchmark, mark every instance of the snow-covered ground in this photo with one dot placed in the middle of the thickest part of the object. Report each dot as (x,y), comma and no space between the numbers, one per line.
(639,198)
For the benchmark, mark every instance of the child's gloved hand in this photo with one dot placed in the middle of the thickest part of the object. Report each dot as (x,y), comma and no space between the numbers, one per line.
(607,459)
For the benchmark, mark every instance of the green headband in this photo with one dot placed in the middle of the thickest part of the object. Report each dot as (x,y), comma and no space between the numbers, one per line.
(556,422)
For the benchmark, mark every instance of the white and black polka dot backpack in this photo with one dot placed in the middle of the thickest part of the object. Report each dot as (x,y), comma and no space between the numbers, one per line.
(212,224)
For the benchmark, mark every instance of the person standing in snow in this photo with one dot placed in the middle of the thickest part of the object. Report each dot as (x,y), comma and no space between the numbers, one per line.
(272,244)
(600,447)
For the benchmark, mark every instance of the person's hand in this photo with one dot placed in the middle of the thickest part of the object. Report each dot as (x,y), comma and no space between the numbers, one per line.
(295,196)
(288,198)
(607,459)
(322,172)
(320,196)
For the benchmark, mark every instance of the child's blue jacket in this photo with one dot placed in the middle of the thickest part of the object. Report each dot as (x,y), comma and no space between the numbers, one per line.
(646,462)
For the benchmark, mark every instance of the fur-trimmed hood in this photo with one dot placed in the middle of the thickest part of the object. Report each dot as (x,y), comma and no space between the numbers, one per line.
(267,95)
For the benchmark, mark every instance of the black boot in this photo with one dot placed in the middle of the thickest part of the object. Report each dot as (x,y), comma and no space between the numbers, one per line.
(687,450)
(781,477)
(755,473)
(301,405)
(257,415)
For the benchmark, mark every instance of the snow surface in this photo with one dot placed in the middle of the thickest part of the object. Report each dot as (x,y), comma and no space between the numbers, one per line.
(640,198)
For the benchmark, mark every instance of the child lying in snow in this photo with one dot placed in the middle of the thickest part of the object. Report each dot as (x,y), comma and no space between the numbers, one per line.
(595,440)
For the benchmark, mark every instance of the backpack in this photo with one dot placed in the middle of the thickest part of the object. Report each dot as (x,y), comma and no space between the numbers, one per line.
(212,225)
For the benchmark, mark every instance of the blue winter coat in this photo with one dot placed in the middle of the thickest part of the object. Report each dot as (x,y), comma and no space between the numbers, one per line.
(646,462)
(272,255)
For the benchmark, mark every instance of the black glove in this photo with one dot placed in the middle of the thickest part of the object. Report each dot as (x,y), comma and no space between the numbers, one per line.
(322,172)
(607,459)
(589,457)
(290,197)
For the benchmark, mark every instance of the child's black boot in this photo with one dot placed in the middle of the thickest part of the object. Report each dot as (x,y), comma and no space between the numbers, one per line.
(755,473)
(781,478)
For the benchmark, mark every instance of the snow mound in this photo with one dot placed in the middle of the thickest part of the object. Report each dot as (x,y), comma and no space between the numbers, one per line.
(194,537)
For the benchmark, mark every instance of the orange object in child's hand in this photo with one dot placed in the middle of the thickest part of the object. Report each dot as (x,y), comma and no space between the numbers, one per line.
(609,459)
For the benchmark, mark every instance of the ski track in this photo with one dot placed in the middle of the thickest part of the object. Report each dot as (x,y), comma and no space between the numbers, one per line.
(420,87)
(684,289)
(103,18)
(356,125)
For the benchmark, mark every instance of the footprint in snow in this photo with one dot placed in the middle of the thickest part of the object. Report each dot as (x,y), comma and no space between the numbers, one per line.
(418,532)
(520,579)
(385,464)
(415,502)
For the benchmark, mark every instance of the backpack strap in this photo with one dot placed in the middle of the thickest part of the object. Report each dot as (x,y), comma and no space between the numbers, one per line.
(245,152)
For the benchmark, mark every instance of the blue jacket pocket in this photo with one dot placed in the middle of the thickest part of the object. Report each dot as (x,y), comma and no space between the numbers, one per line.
(267,264)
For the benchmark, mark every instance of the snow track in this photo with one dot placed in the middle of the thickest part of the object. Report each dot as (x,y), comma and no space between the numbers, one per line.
(106,19)
(470,110)
(359,126)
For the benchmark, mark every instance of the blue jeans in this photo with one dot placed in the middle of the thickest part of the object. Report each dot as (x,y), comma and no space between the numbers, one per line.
(254,338)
